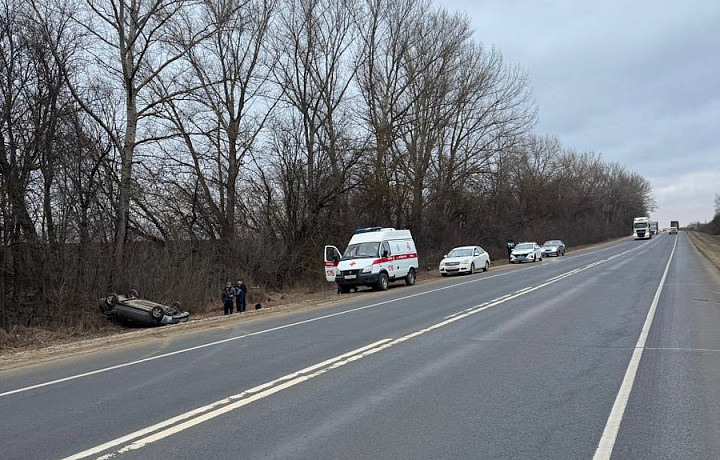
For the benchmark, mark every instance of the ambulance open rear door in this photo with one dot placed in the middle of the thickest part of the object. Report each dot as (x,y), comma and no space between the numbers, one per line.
(331,259)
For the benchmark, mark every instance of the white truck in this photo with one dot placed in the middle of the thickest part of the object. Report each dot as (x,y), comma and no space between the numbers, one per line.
(654,230)
(374,257)
(641,228)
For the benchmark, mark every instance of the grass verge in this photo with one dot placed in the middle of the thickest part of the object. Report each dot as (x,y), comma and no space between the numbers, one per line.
(707,245)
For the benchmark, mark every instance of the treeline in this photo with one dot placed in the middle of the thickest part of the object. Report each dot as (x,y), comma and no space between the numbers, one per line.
(712,227)
(170,146)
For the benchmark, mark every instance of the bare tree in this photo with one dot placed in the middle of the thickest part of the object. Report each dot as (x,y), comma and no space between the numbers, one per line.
(227,105)
(313,140)
(126,44)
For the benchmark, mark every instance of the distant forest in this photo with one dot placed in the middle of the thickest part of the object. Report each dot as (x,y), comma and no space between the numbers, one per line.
(171,146)
(712,227)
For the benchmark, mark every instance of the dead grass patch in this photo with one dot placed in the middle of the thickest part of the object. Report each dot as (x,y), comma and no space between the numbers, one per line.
(707,245)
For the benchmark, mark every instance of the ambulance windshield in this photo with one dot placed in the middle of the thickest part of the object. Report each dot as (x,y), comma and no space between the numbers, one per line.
(361,250)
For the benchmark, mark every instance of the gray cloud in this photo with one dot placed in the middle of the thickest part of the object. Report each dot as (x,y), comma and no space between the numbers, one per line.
(636,81)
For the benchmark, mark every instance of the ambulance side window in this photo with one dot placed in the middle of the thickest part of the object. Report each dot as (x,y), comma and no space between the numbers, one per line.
(385,250)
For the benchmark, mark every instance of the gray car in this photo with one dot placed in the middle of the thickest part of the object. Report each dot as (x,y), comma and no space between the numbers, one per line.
(553,248)
(133,310)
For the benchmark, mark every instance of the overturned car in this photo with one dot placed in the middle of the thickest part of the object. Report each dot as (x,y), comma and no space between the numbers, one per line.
(133,310)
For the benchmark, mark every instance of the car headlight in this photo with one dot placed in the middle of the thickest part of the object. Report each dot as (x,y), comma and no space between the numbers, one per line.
(465,261)
(442,262)
(367,269)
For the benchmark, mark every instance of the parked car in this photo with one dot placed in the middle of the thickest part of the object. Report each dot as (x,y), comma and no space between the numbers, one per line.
(553,248)
(464,259)
(131,309)
(526,251)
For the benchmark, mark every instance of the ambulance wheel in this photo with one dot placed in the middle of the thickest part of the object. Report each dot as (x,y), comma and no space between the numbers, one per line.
(383,281)
(410,277)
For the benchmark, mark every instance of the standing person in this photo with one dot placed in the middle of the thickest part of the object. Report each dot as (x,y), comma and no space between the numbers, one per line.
(244,289)
(240,296)
(227,298)
(510,247)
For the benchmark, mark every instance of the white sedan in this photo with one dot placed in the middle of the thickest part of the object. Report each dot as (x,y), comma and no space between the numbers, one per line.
(530,251)
(465,259)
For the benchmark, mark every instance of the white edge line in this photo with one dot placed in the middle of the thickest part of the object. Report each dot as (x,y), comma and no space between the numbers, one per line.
(230,403)
(319,318)
(607,441)
(219,342)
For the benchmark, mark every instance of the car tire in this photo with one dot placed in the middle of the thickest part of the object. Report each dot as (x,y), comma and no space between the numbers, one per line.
(343,289)
(176,307)
(133,293)
(410,277)
(383,281)
(111,300)
(443,275)
(472,268)
(157,314)
(487,266)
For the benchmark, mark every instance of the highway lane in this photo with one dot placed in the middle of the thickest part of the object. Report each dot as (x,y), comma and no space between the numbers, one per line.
(513,372)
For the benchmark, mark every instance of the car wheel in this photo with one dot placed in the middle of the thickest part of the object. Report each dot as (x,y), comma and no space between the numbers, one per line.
(410,277)
(487,266)
(176,307)
(133,293)
(157,314)
(343,289)
(443,275)
(111,300)
(382,283)
(472,268)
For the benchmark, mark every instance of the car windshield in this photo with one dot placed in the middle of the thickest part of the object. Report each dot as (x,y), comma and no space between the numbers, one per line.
(524,246)
(460,252)
(551,243)
(361,250)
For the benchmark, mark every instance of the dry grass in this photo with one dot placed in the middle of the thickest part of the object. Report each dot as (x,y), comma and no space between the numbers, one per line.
(23,346)
(707,245)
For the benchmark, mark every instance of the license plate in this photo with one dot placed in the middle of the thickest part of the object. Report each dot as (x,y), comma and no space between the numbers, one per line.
(350,277)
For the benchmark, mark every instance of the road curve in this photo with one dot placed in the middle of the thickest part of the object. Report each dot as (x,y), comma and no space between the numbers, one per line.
(608,353)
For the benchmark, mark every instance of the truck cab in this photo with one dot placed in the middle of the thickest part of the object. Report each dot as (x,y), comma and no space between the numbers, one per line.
(641,228)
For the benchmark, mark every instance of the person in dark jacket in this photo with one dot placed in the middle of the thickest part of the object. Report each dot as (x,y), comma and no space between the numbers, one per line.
(227,298)
(240,291)
(510,247)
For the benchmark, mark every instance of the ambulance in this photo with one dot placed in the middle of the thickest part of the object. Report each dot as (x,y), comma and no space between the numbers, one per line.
(375,257)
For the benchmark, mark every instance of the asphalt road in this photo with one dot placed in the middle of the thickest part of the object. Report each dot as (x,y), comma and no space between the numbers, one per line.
(608,353)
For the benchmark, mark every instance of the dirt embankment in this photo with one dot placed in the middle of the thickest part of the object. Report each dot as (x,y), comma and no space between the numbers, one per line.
(707,245)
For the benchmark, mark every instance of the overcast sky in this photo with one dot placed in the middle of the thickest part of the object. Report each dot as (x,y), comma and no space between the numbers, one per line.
(637,81)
